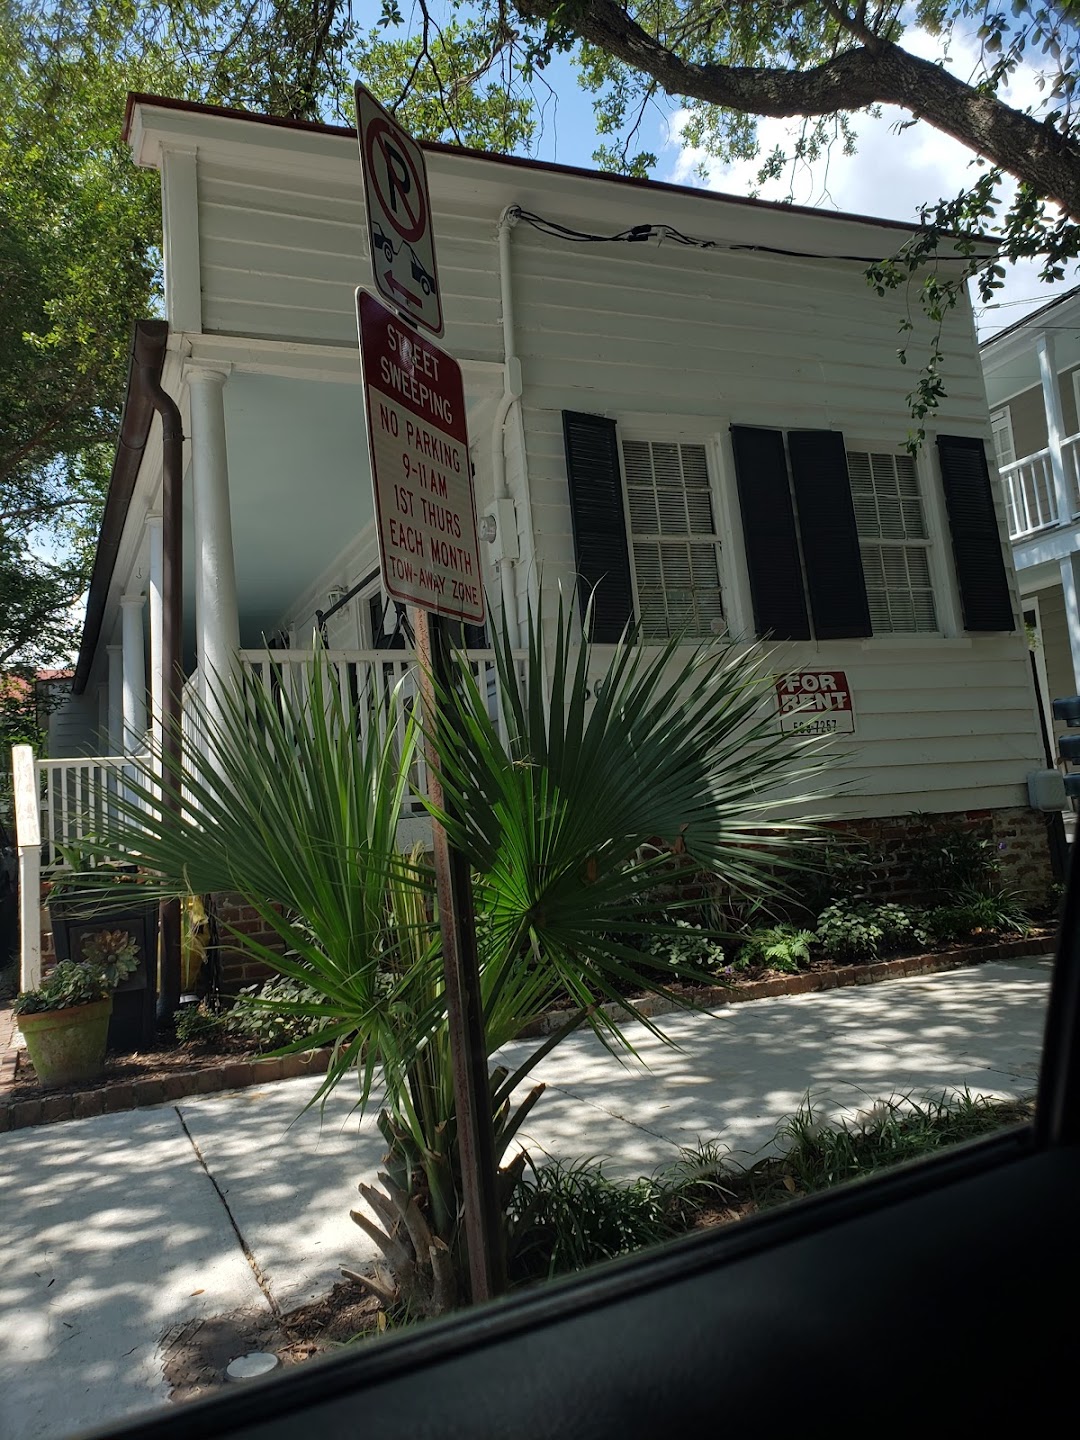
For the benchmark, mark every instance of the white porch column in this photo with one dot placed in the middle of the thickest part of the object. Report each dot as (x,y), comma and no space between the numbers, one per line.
(154,535)
(1070,589)
(131,607)
(1055,425)
(116,700)
(218,613)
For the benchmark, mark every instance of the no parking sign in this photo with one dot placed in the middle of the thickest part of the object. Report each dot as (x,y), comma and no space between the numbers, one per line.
(399,214)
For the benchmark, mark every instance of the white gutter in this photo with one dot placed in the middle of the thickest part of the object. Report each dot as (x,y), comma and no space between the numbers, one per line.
(506,549)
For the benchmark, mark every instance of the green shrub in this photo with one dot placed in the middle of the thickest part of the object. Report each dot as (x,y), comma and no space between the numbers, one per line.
(70,984)
(109,957)
(692,949)
(198,1025)
(840,870)
(271,1015)
(946,865)
(860,930)
(569,1215)
(781,947)
(819,1155)
(263,1017)
(993,909)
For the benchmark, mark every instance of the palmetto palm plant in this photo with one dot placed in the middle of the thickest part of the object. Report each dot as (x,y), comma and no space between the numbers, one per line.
(604,773)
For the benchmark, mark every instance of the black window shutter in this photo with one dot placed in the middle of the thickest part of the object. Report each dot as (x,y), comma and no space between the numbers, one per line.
(830,540)
(772,546)
(976,538)
(596,506)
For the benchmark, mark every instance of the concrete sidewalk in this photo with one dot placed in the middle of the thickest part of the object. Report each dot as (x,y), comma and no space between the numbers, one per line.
(116,1229)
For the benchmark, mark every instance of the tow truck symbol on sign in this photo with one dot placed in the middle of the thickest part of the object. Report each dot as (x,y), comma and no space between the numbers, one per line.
(420,275)
(381,242)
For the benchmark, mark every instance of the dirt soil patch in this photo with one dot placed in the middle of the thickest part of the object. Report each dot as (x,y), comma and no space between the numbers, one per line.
(348,1313)
(195,1355)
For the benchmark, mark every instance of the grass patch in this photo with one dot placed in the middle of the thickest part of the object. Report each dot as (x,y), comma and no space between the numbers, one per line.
(565,1216)
(892,1132)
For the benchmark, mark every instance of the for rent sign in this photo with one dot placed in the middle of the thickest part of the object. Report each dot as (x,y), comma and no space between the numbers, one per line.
(420,466)
(815,702)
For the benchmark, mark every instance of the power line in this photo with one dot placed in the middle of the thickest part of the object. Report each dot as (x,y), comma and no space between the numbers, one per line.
(660,232)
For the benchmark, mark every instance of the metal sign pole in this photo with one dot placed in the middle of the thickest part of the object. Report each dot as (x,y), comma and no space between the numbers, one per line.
(429,551)
(464,1003)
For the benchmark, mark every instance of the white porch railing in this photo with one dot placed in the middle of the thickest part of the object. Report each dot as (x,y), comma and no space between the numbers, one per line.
(59,802)
(1070,455)
(76,796)
(1030,498)
(1030,504)
(368,679)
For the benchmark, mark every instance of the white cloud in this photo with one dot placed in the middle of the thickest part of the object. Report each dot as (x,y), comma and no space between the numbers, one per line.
(896,168)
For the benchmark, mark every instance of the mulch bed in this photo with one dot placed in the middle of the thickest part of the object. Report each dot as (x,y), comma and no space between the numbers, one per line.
(174,1072)
(156,1064)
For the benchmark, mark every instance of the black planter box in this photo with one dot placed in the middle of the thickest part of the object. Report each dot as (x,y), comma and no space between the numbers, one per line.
(75,917)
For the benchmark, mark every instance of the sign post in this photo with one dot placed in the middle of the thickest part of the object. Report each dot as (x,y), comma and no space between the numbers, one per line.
(430,556)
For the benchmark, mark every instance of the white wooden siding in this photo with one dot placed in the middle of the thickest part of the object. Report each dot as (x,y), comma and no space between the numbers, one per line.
(671,342)
(675,343)
(282,252)
(73,727)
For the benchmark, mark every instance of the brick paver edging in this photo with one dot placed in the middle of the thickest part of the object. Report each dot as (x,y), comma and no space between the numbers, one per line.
(710,998)
(233,1075)
(239,1074)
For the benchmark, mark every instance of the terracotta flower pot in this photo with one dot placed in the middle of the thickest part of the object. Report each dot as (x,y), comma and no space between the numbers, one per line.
(67,1046)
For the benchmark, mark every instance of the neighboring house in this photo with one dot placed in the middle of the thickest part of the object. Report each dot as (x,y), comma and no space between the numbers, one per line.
(713,432)
(1032,372)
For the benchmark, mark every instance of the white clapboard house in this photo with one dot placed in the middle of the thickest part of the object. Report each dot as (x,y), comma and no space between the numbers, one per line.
(703,415)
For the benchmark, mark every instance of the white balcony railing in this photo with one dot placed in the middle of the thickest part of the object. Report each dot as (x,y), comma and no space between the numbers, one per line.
(76,794)
(1030,497)
(1030,504)
(367,679)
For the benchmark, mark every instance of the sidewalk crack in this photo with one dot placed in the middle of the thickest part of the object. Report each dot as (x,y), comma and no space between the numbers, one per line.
(260,1278)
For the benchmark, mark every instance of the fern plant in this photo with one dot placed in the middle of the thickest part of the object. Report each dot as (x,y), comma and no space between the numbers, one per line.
(780,947)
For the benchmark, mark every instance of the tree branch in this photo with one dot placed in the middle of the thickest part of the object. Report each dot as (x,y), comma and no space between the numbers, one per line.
(1033,151)
(20,453)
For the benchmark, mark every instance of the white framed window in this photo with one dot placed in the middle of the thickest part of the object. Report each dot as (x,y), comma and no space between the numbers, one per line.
(894,542)
(1004,444)
(674,543)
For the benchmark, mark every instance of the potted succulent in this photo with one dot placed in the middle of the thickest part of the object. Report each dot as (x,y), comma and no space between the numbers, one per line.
(87,900)
(65,1022)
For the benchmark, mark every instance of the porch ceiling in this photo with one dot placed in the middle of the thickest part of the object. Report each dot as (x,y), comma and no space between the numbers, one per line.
(299,485)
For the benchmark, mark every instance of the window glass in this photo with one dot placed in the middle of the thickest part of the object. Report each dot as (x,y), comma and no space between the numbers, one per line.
(673,539)
(894,541)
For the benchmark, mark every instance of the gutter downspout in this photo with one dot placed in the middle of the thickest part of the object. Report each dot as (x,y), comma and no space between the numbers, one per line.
(506,535)
(172,583)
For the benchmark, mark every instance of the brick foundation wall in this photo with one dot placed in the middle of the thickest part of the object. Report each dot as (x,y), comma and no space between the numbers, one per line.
(239,968)
(1019,834)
